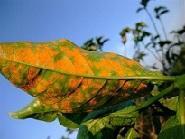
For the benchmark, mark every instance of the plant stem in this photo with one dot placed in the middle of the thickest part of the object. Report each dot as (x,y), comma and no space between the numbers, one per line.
(163,28)
(157,32)
(151,100)
(152,20)
(182,111)
(154,55)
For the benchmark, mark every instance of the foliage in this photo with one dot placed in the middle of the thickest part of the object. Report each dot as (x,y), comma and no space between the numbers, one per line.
(103,94)
(94,44)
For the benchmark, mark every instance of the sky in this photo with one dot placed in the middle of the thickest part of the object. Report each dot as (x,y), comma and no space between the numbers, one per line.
(76,20)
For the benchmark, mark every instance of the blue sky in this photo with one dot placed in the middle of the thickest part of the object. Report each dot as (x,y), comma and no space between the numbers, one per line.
(76,20)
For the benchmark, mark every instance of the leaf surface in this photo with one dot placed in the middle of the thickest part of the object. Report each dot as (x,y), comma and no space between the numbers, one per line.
(68,79)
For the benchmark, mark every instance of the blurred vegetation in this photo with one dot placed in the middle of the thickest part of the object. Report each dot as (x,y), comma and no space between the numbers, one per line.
(168,50)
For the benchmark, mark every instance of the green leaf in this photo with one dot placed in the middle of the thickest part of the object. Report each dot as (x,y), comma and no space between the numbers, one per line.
(37,111)
(126,116)
(131,134)
(83,133)
(179,82)
(71,120)
(172,129)
(170,103)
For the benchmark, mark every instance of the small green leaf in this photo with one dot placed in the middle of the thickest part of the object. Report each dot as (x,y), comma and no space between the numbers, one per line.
(170,103)
(131,134)
(37,111)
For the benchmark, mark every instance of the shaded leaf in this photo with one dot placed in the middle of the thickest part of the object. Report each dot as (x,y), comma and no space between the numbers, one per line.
(172,129)
(126,116)
(69,120)
(170,103)
(103,134)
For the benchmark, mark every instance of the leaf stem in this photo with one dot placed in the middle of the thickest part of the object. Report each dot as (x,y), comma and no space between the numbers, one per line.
(163,28)
(157,32)
(151,100)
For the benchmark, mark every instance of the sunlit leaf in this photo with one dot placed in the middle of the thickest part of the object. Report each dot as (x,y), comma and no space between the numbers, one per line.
(67,79)
(131,134)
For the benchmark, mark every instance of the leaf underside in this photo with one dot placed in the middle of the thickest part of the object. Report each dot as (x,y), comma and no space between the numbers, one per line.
(77,87)
(68,79)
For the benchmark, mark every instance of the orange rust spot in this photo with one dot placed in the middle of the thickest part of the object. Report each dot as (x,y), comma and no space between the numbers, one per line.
(141,87)
(127,85)
(32,72)
(64,65)
(79,62)
(45,56)
(65,106)
(104,72)
(92,102)
(74,82)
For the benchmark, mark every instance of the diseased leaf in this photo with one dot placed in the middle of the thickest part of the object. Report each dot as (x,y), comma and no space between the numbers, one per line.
(67,79)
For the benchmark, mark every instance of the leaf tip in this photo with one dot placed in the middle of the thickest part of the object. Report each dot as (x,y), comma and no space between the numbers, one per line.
(14,115)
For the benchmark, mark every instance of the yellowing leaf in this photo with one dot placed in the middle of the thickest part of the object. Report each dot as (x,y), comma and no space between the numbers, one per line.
(68,79)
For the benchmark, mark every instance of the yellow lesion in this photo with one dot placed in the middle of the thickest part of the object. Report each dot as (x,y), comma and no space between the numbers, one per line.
(79,62)
(13,72)
(65,106)
(74,82)
(64,65)
(44,56)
